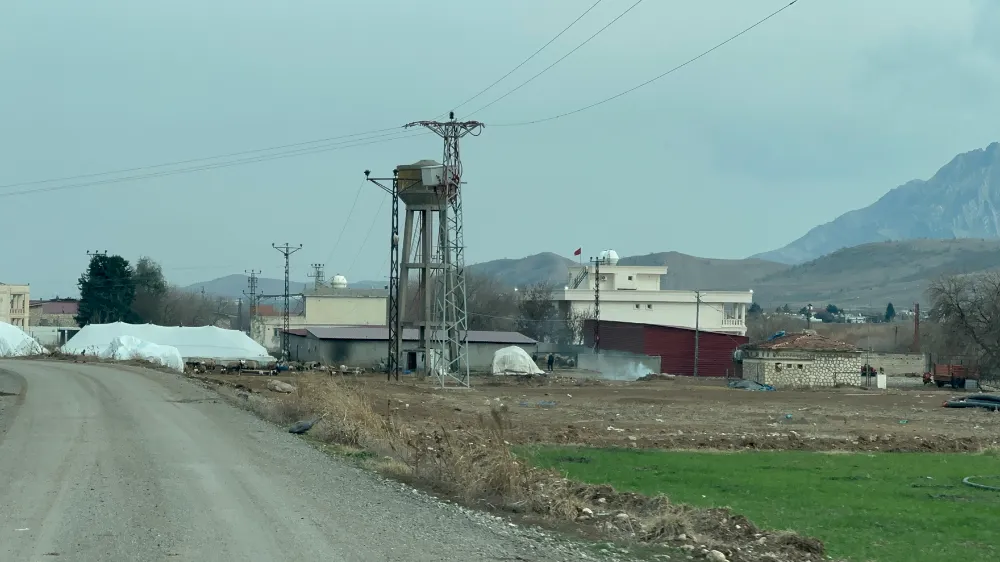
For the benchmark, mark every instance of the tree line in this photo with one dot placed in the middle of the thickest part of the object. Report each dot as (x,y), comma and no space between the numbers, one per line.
(113,290)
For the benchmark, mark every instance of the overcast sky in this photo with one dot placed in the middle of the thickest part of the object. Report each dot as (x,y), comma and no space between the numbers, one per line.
(819,111)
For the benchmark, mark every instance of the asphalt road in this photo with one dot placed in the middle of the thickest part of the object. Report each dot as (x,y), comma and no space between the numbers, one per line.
(105,464)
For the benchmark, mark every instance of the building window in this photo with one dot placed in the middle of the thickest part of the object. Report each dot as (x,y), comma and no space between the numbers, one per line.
(629,277)
(649,307)
(800,365)
(637,307)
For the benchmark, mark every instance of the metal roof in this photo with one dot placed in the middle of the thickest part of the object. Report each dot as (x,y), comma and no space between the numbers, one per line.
(381,333)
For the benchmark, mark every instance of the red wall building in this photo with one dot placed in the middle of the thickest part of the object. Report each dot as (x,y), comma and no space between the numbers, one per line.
(674,346)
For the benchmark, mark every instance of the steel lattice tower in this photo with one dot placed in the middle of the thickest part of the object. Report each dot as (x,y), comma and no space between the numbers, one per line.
(450,360)
(286,250)
(318,275)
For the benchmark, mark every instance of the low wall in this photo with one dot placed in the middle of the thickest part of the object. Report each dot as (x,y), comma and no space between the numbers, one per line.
(619,366)
(897,364)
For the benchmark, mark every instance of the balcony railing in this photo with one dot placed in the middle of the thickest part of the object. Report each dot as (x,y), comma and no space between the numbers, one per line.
(734,322)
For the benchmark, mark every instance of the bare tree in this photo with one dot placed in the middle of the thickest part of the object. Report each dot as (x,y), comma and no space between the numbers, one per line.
(967,309)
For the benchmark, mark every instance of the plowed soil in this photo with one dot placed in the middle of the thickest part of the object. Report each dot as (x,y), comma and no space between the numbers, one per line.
(682,413)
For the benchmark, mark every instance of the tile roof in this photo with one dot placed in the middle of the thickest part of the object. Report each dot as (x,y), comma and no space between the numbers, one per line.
(381,333)
(806,341)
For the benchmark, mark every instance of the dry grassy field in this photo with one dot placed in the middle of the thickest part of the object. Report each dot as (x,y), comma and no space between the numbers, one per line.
(681,413)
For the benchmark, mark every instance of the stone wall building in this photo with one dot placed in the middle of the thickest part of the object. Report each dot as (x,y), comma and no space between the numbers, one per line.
(804,359)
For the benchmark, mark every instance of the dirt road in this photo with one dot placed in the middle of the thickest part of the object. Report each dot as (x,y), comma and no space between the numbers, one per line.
(105,464)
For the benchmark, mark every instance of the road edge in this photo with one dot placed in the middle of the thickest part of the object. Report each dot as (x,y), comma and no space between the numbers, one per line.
(7,416)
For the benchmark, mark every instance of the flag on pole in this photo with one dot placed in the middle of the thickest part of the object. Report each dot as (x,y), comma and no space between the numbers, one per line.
(578,252)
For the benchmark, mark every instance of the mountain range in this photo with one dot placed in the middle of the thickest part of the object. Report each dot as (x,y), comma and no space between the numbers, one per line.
(886,252)
(961,200)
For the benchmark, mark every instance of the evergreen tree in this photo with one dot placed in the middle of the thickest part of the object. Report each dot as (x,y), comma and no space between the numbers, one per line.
(890,313)
(107,290)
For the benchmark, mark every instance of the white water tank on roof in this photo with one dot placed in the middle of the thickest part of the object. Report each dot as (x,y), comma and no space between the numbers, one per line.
(339,282)
(609,257)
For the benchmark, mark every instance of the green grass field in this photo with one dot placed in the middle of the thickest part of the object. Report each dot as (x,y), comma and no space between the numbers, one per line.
(864,507)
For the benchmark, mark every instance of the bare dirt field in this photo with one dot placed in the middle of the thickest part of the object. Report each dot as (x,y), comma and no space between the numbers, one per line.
(682,413)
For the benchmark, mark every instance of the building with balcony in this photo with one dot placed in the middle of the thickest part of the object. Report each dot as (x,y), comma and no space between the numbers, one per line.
(14,304)
(632,294)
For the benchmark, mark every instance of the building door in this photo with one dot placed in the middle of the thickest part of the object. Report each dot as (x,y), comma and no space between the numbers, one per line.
(411,361)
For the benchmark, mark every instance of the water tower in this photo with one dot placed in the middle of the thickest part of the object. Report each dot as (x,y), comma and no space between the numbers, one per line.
(427,277)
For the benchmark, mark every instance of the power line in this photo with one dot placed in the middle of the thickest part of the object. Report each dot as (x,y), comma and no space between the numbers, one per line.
(533,55)
(265,158)
(191,160)
(347,220)
(560,59)
(650,81)
(365,241)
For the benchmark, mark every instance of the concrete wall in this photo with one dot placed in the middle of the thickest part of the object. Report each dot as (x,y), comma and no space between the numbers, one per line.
(618,365)
(347,311)
(897,364)
(805,369)
(51,336)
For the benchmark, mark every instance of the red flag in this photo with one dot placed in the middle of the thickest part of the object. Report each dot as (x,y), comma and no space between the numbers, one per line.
(578,252)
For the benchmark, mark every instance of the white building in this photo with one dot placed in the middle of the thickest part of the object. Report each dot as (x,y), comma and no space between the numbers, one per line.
(633,294)
(15,304)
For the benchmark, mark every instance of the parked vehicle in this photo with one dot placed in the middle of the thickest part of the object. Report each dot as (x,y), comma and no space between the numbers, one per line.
(949,374)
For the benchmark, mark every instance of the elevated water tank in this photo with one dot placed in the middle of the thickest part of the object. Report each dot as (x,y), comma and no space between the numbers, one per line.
(339,282)
(609,257)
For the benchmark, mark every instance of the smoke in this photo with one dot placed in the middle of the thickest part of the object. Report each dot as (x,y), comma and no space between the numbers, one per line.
(621,369)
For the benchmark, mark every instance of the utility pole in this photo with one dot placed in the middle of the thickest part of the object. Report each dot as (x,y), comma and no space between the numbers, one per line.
(239,313)
(452,310)
(252,294)
(597,303)
(697,328)
(286,250)
(318,276)
(393,319)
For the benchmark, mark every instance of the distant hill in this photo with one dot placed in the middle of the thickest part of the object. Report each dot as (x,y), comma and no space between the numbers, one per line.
(962,200)
(883,272)
(544,267)
(683,271)
(232,286)
(690,272)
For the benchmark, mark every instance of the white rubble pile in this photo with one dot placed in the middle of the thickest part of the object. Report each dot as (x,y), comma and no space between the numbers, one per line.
(198,343)
(127,348)
(15,343)
(514,361)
